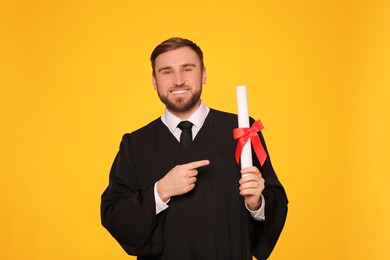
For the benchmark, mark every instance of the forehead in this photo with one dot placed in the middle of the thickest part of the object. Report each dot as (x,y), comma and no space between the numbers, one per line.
(178,57)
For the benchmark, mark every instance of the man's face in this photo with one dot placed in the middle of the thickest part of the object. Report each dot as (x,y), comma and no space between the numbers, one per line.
(178,79)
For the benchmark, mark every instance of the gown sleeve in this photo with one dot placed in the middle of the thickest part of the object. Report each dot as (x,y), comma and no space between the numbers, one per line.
(266,233)
(128,211)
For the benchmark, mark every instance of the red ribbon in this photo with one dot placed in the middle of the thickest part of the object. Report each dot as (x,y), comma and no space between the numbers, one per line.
(243,134)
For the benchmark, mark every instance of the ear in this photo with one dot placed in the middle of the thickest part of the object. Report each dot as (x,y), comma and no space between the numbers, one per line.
(154,82)
(204,76)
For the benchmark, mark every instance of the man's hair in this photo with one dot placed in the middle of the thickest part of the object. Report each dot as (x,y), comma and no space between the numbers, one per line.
(173,44)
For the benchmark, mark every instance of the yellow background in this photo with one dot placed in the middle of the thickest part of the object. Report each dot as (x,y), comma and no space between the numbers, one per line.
(75,76)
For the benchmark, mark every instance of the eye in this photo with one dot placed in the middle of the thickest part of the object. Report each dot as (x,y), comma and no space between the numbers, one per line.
(166,72)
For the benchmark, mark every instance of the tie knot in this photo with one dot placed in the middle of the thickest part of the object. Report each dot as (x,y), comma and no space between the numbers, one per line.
(185,125)
(186,134)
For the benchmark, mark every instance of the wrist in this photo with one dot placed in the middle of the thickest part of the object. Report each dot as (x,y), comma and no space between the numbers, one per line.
(255,206)
(163,194)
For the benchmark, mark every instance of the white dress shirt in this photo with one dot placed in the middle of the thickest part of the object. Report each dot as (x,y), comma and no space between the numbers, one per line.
(197,118)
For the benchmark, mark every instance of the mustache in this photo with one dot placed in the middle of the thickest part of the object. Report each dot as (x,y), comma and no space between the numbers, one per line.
(181,86)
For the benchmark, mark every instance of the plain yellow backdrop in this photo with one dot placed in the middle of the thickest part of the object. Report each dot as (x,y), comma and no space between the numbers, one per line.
(75,76)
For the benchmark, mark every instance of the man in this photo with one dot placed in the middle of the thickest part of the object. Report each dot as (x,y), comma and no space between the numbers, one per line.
(169,198)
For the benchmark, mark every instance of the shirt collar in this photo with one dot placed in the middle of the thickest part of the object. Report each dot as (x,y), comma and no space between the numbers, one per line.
(197,118)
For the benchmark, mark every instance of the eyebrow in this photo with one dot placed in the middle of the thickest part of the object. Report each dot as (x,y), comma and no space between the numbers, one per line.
(186,65)
(189,65)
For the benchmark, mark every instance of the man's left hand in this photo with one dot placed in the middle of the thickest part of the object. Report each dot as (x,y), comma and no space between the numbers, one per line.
(251,187)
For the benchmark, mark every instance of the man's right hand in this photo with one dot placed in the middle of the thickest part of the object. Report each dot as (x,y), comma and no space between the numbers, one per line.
(180,180)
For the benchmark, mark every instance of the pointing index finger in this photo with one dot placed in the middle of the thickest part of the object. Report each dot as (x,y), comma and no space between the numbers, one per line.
(197,164)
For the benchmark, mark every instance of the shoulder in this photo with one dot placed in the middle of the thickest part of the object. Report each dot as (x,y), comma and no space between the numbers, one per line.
(221,121)
(145,131)
(221,115)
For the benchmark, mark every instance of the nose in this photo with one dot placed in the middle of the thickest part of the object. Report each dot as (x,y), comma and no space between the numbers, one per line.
(178,79)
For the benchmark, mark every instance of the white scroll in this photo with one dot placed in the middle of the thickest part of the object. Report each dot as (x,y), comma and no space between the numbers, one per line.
(243,121)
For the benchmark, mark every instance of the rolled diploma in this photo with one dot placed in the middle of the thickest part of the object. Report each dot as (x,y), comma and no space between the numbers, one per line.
(243,121)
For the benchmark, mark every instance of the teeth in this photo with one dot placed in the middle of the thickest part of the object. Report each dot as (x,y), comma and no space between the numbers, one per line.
(179,91)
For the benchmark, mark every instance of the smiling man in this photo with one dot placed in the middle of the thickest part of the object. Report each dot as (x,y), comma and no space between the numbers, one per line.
(175,190)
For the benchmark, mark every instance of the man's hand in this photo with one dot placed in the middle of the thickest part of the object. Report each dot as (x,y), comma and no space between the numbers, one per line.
(180,180)
(251,187)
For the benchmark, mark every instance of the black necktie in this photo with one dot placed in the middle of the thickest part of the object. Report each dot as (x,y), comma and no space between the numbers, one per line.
(186,134)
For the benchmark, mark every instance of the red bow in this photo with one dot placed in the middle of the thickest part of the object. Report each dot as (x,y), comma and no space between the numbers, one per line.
(243,134)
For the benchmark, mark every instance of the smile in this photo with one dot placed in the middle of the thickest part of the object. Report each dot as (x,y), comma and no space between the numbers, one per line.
(179,91)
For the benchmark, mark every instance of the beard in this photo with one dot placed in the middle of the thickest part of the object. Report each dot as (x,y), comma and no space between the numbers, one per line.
(181,104)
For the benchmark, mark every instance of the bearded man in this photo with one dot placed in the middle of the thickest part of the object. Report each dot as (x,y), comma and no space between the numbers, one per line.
(175,190)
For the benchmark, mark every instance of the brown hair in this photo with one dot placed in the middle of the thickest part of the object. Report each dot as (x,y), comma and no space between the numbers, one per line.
(173,44)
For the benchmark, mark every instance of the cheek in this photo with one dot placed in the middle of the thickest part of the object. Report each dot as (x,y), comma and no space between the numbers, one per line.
(159,84)
(162,88)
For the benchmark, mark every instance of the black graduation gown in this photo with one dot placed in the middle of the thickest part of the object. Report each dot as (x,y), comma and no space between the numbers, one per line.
(209,222)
